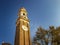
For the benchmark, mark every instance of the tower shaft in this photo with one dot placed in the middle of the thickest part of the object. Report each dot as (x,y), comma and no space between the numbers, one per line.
(22,36)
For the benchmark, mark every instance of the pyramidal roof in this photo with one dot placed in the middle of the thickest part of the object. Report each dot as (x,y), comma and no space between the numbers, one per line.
(23,9)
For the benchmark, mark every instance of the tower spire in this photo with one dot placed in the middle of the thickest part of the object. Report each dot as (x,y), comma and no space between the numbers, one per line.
(22,12)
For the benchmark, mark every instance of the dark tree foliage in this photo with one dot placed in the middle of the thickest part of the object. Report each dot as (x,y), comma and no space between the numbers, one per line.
(45,37)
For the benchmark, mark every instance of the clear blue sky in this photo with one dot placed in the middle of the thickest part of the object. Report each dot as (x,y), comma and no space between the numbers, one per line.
(40,12)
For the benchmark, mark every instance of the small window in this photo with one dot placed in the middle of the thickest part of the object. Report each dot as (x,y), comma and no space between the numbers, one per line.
(27,24)
(23,13)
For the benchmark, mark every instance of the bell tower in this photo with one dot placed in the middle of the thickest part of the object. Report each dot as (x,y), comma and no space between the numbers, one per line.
(22,36)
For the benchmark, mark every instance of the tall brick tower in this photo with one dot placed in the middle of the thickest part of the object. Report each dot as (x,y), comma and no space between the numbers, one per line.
(22,36)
